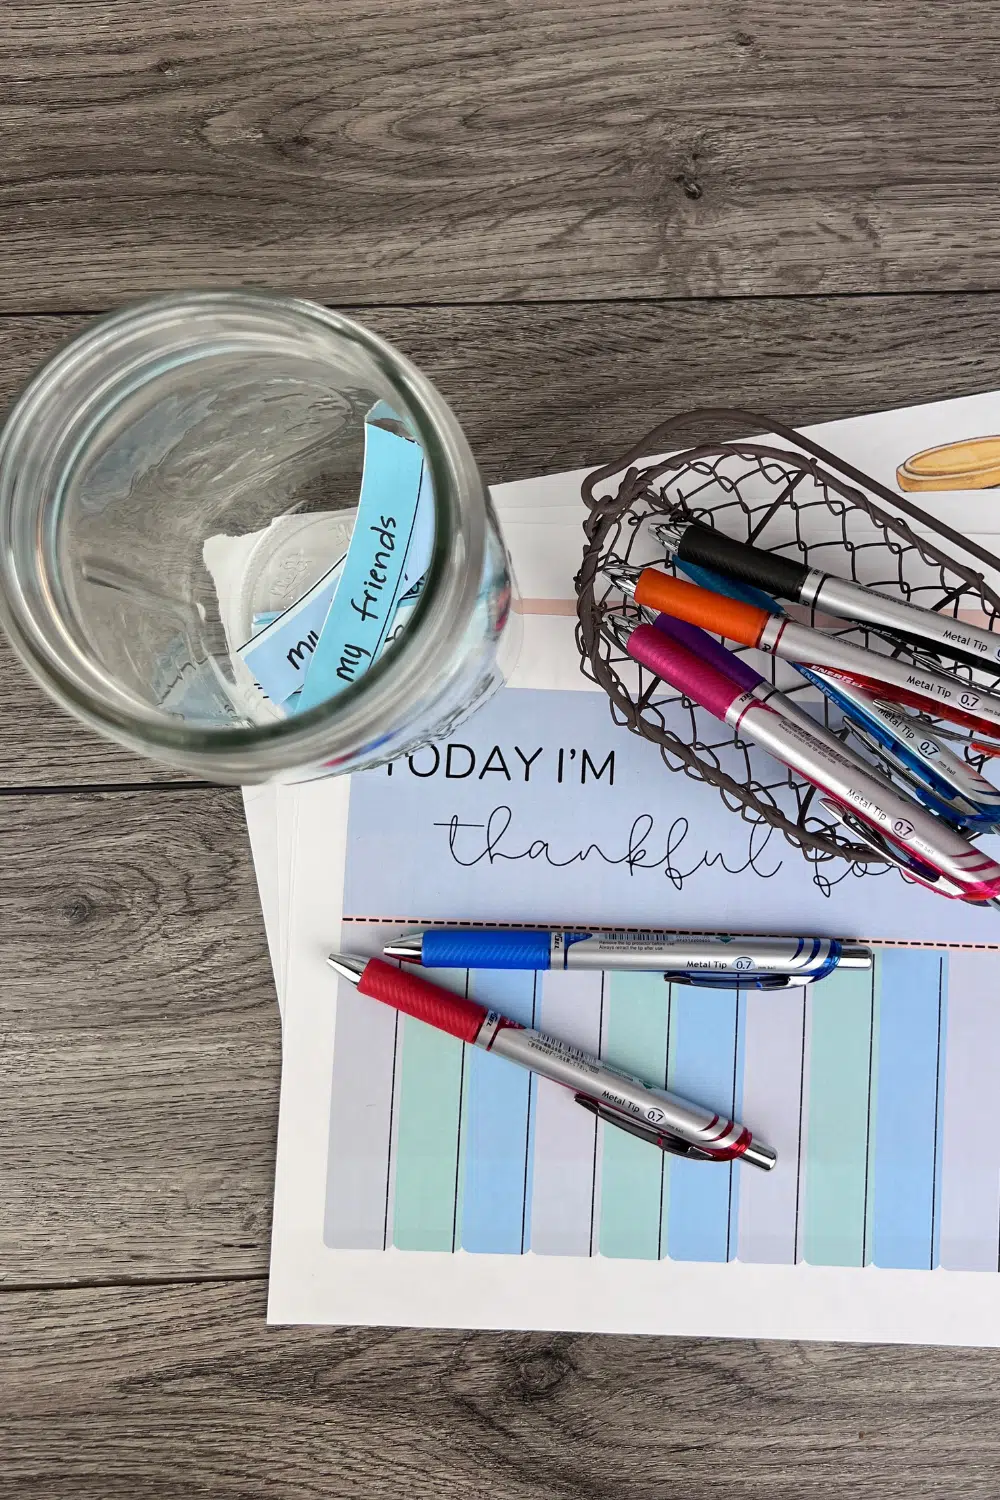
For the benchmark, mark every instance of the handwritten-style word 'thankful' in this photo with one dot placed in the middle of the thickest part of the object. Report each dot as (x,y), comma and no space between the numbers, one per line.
(641,850)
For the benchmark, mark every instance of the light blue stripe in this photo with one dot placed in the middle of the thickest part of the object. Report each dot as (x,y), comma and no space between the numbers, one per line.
(700,1068)
(529,1178)
(497,1120)
(939,1147)
(373,578)
(906,1121)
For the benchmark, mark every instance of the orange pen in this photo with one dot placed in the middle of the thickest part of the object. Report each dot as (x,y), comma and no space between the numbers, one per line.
(749,625)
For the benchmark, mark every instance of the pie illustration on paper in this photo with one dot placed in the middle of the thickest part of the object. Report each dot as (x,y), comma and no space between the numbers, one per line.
(971,464)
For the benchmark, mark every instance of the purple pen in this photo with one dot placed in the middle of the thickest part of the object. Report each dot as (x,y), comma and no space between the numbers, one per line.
(745,677)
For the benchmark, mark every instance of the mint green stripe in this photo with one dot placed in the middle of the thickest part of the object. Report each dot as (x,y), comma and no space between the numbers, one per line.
(837,1137)
(427,1138)
(631,1170)
(671,1053)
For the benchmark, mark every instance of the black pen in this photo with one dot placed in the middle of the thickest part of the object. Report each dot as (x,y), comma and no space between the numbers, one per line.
(694,542)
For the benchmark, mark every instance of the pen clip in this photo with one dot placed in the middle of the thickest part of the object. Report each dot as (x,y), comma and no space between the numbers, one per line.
(666,1142)
(944,731)
(914,868)
(747,979)
(952,807)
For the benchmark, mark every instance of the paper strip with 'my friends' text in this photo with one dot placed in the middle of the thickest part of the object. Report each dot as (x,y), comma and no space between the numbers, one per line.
(373,577)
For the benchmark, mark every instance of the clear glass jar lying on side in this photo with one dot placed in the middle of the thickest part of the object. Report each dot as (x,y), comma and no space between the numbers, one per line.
(185,470)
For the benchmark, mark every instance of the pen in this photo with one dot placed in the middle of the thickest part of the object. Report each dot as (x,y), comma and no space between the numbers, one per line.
(693,541)
(954,788)
(939,857)
(660,1118)
(749,680)
(718,960)
(940,779)
(943,697)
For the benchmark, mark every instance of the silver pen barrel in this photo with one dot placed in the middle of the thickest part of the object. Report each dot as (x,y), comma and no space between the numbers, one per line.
(814,648)
(627,1096)
(921,741)
(852,601)
(894,815)
(668,952)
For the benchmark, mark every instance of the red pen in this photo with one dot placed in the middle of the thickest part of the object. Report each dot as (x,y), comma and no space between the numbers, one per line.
(655,1116)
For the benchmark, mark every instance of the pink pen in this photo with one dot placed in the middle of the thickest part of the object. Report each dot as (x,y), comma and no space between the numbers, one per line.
(965,872)
(745,677)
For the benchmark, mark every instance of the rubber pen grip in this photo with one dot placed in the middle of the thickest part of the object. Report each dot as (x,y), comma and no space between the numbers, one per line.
(709,548)
(718,583)
(417,997)
(695,678)
(685,601)
(482,949)
(705,646)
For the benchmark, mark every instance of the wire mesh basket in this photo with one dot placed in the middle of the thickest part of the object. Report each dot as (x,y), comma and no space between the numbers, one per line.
(799,501)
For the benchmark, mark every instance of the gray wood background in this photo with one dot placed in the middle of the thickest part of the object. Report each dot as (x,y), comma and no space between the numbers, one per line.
(579,218)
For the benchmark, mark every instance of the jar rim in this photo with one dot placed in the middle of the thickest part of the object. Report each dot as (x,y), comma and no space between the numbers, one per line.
(365,713)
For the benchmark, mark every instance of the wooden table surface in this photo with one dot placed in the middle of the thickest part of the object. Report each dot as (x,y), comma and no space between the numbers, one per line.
(578,218)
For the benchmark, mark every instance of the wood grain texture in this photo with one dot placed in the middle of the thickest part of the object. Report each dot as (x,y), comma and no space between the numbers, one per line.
(546,387)
(182,1391)
(140,1040)
(426,152)
(570,160)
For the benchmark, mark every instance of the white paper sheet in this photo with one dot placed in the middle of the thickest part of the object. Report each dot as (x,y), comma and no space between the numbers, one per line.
(594,1285)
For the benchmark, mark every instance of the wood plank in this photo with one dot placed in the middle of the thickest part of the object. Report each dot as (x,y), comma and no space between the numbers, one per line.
(425,153)
(140,1039)
(175,1391)
(546,387)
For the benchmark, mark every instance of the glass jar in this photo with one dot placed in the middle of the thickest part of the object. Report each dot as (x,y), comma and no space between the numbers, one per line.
(185,425)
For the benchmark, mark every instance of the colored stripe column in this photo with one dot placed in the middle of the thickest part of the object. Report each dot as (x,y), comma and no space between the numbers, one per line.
(841,1031)
(702,1067)
(772,1108)
(906,1129)
(428,1134)
(497,1114)
(360,1122)
(564,1197)
(635,1040)
(970,1158)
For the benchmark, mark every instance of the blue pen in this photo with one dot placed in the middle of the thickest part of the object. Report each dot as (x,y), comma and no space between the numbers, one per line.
(720,962)
(937,777)
(940,780)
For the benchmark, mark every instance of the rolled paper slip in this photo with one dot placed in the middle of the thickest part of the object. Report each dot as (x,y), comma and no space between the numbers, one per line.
(942,859)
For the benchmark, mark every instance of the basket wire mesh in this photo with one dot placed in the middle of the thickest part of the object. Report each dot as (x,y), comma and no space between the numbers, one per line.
(794,500)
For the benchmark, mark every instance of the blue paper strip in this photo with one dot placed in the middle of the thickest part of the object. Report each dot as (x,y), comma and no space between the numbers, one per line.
(280,654)
(373,578)
(498,1116)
